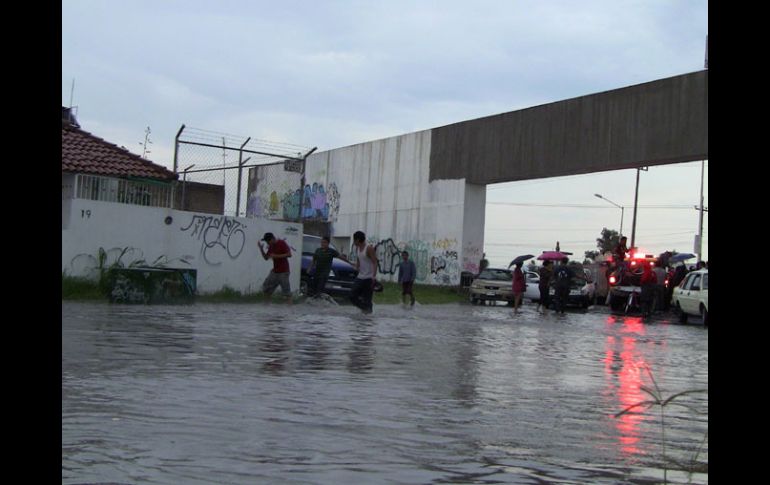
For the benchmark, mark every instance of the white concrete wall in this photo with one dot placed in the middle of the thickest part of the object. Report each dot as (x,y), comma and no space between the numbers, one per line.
(382,188)
(473,226)
(222,249)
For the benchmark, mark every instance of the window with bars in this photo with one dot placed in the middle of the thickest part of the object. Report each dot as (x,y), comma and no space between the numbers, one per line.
(124,191)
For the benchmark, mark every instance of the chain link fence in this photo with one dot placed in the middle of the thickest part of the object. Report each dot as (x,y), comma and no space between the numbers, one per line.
(258,178)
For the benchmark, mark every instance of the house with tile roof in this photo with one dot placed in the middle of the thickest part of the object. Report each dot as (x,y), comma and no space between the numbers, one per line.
(122,206)
(95,169)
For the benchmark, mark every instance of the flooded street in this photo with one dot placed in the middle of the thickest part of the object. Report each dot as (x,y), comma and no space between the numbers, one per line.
(250,393)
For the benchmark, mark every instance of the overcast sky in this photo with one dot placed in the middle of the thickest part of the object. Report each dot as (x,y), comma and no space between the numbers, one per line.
(329,74)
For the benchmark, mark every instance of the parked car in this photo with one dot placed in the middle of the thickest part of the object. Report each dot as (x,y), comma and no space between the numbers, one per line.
(691,297)
(532,292)
(582,290)
(492,284)
(341,277)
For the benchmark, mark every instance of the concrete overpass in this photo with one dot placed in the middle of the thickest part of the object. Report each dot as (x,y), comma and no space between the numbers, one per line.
(426,191)
(659,122)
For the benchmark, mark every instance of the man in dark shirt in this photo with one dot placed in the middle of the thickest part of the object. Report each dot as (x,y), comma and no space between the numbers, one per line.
(562,275)
(545,272)
(620,250)
(322,265)
(279,252)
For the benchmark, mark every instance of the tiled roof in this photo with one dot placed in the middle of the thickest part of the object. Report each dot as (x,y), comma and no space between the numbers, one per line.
(82,152)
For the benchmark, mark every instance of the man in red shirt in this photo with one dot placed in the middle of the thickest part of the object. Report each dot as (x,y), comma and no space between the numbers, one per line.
(280,253)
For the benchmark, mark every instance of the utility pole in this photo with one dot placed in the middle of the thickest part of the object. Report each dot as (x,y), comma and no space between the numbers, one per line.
(699,245)
(224,161)
(636,199)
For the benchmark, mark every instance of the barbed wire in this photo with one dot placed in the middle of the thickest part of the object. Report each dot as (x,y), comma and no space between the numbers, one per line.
(228,141)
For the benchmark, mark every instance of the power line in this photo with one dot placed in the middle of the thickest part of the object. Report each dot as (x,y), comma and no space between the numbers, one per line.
(589,206)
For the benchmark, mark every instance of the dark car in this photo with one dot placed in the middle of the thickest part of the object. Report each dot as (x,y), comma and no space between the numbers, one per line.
(341,276)
(582,289)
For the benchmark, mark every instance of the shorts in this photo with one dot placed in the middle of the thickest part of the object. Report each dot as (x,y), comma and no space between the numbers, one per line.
(273,280)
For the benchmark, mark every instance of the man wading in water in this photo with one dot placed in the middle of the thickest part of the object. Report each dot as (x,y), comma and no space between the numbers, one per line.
(278,251)
(366,264)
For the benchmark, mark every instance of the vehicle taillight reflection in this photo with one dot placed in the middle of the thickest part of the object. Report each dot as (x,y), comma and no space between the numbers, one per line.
(623,367)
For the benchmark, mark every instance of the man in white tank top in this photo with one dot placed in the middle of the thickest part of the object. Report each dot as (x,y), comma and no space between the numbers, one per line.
(366,264)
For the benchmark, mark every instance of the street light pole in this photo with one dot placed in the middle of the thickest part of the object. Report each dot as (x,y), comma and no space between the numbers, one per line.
(616,205)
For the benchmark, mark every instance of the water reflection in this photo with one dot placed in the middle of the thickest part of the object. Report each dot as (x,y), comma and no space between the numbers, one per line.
(361,351)
(273,348)
(623,366)
(264,394)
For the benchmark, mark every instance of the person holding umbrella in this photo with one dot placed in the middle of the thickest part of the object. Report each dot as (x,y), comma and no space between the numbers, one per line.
(519,283)
(519,286)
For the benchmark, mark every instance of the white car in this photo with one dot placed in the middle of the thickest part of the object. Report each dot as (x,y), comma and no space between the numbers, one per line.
(691,297)
(532,292)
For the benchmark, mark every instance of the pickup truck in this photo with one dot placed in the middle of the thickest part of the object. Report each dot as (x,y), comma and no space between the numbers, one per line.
(625,284)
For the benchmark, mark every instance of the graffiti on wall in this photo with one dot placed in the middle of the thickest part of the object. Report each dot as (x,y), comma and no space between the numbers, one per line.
(318,203)
(388,256)
(220,236)
(472,255)
(419,252)
(437,262)
(290,203)
(333,202)
(152,286)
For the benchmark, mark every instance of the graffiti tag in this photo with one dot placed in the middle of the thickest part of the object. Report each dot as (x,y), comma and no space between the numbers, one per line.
(217,234)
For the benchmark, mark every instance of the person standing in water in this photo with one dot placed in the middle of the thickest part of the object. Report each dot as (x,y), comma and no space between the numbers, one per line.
(407,272)
(519,286)
(546,272)
(366,265)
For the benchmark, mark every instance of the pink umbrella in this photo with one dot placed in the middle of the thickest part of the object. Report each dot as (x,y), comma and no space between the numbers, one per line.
(553,256)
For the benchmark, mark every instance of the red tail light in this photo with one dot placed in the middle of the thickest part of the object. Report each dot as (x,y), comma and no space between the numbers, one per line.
(613,280)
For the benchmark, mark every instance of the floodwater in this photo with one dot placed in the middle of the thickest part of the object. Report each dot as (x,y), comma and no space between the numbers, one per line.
(317,393)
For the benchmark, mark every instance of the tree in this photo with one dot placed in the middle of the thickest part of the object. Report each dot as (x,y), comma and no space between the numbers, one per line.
(591,255)
(608,241)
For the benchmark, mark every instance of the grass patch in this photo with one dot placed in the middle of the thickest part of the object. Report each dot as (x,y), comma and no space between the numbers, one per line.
(423,294)
(230,295)
(75,288)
